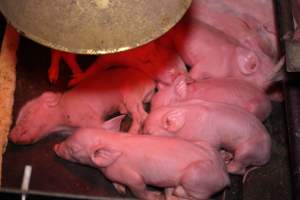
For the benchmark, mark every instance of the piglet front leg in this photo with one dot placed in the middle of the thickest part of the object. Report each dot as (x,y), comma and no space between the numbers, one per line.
(250,153)
(121,189)
(142,193)
(138,187)
(134,97)
(53,70)
(70,60)
(138,116)
(169,194)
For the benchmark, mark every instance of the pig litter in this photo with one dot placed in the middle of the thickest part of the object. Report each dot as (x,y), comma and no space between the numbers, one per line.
(207,83)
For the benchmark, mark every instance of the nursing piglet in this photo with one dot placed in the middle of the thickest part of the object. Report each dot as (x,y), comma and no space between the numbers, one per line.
(118,89)
(195,172)
(223,90)
(221,125)
(213,54)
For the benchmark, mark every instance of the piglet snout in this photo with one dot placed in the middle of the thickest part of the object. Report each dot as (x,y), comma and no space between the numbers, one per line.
(13,136)
(57,149)
(20,136)
(62,152)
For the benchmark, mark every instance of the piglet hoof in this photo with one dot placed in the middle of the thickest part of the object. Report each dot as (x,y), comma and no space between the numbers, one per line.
(134,129)
(121,189)
(53,74)
(169,194)
(227,157)
(76,79)
(156,196)
(78,75)
(172,198)
(277,96)
(235,167)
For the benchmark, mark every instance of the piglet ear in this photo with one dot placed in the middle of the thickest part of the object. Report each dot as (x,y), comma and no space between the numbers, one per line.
(181,87)
(247,61)
(50,98)
(103,156)
(113,124)
(174,120)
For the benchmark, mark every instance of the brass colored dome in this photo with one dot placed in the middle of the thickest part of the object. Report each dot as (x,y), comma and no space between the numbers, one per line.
(93,26)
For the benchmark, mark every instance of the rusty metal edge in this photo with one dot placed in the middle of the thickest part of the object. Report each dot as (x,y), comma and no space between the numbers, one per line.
(57,195)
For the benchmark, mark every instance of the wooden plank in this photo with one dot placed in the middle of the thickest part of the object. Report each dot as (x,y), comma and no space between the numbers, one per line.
(8,60)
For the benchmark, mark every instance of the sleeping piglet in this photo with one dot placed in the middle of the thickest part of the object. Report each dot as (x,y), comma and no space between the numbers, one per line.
(224,90)
(195,172)
(247,29)
(222,125)
(118,89)
(213,54)
(160,62)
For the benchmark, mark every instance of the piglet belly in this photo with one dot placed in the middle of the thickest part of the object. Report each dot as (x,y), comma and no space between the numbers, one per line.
(89,110)
(161,167)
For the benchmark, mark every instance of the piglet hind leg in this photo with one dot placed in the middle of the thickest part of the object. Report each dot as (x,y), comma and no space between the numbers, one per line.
(201,180)
(70,59)
(142,193)
(134,95)
(236,167)
(138,116)
(169,193)
(240,161)
(138,187)
(249,154)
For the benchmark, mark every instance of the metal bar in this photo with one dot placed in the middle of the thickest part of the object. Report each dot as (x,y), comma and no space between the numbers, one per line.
(292,90)
(284,17)
(286,24)
(58,195)
(26,180)
(292,93)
